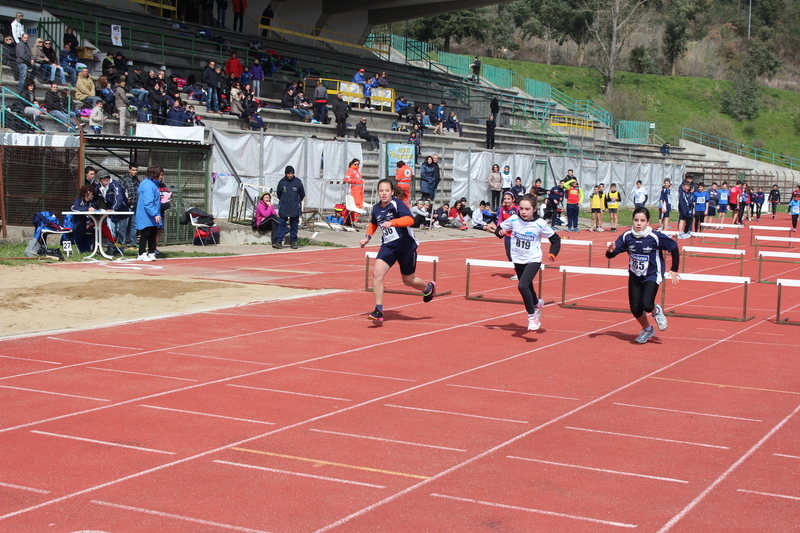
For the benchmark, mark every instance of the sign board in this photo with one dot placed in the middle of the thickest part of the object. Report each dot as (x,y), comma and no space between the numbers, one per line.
(116,35)
(399,152)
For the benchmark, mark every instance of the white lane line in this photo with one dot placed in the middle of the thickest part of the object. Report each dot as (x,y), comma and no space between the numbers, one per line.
(208,414)
(770,494)
(457,414)
(178,517)
(54,393)
(300,474)
(101,442)
(538,511)
(598,469)
(139,373)
(20,487)
(290,392)
(33,360)
(387,440)
(92,343)
(648,438)
(688,412)
(355,374)
(220,358)
(675,519)
(514,392)
(789,456)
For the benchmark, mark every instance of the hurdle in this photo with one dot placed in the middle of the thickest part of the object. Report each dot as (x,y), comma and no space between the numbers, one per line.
(497,264)
(695,251)
(782,255)
(684,277)
(737,227)
(781,284)
(706,235)
(569,242)
(761,238)
(787,229)
(420,259)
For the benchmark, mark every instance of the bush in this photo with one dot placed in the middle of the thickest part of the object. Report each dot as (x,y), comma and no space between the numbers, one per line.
(758,143)
(714,124)
(749,130)
(642,62)
(743,101)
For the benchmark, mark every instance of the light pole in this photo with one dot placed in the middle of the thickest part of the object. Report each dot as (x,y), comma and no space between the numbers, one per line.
(749,14)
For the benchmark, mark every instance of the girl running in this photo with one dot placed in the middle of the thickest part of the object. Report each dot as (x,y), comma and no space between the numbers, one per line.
(794,209)
(398,245)
(526,230)
(646,269)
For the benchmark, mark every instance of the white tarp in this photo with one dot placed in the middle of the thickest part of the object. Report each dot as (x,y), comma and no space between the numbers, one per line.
(25,139)
(262,160)
(175,133)
(471,173)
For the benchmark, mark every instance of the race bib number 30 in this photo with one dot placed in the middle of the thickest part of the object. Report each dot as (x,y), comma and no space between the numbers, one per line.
(638,264)
(389,234)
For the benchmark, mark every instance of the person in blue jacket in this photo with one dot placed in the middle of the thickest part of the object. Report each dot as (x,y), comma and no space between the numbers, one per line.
(291,194)
(113,195)
(82,226)
(148,213)
(401,107)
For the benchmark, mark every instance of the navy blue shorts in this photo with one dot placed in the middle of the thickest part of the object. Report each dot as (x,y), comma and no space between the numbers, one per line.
(723,208)
(665,214)
(404,255)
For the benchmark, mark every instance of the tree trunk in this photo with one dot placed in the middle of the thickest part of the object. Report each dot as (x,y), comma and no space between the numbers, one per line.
(447,43)
(548,45)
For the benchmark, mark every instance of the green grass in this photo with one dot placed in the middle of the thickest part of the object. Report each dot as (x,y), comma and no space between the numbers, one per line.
(8,251)
(677,102)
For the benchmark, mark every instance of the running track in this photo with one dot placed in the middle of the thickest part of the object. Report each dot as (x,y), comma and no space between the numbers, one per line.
(302,416)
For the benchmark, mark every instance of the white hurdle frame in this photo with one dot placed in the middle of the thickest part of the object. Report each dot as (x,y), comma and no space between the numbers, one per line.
(570,242)
(498,264)
(782,255)
(420,259)
(695,251)
(781,284)
(705,235)
(764,238)
(787,229)
(684,277)
(737,227)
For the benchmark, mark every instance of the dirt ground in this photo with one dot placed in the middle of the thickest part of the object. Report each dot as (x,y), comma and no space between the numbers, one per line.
(39,298)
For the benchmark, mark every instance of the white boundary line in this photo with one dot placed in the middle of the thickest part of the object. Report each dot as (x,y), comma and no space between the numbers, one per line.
(538,511)
(32,360)
(140,373)
(177,517)
(208,414)
(289,392)
(220,358)
(387,440)
(54,393)
(355,374)
(769,494)
(784,455)
(20,487)
(105,443)
(687,412)
(300,474)
(598,469)
(514,392)
(456,414)
(648,438)
(89,343)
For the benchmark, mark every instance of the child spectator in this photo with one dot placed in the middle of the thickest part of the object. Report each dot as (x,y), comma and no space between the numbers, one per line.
(774,199)
(422,216)
(478,220)
(597,200)
(441,216)
(664,204)
(518,190)
(612,204)
(639,195)
(722,203)
(574,196)
(97,117)
(701,199)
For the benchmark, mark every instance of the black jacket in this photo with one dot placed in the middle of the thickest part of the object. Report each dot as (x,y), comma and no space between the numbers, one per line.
(339,108)
(210,77)
(287,101)
(361,130)
(55,101)
(494,105)
(135,81)
(291,194)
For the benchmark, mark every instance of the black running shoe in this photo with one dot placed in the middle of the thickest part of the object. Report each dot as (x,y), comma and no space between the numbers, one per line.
(376,315)
(430,292)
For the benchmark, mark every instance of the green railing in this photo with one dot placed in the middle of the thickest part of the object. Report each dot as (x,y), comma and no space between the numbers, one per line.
(750,152)
(7,96)
(631,131)
(455,63)
(584,107)
(538,89)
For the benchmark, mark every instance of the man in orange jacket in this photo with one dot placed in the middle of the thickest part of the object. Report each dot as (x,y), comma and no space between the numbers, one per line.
(403,178)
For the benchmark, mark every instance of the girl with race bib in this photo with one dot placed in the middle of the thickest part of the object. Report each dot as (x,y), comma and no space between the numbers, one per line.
(393,219)
(645,269)
(526,230)
(794,210)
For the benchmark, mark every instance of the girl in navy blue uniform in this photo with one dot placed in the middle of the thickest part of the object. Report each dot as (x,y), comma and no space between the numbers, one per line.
(526,230)
(393,218)
(646,269)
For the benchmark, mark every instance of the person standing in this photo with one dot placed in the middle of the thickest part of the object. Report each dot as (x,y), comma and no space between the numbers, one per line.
(758,203)
(639,195)
(496,186)
(597,207)
(121,103)
(356,181)
(256,77)
(794,210)
(222,9)
(130,182)
(239,7)
(266,19)
(574,196)
(701,200)
(685,211)
(490,127)
(774,199)
(148,213)
(476,70)
(403,177)
(17,29)
(494,107)
(646,269)
(427,186)
(437,175)
(210,80)
(291,194)
(340,113)
(233,66)
(25,61)
(507,179)
(665,204)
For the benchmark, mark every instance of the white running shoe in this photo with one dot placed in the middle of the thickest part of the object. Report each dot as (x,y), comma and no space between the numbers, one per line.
(514,278)
(645,335)
(537,311)
(152,257)
(144,257)
(600,229)
(533,322)
(660,318)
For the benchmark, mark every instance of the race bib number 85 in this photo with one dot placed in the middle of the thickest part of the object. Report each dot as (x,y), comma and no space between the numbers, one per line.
(638,264)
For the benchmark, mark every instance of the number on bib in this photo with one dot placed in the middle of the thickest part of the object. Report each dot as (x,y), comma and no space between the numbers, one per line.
(389,234)
(796,209)
(523,244)
(638,264)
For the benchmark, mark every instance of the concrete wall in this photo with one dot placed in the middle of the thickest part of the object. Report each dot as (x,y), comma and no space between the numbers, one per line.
(737,161)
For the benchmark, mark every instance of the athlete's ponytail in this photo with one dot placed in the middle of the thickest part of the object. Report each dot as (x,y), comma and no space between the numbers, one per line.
(397,191)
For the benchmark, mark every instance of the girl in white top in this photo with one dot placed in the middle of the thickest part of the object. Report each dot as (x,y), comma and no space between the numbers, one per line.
(526,230)
(507,179)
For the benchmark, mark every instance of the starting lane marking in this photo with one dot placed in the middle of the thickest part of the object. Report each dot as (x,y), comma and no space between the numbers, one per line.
(139,373)
(33,360)
(220,358)
(208,414)
(649,438)
(764,333)
(355,374)
(320,462)
(387,440)
(723,386)
(93,441)
(784,455)
(290,392)
(538,511)
(769,494)
(514,392)
(20,487)
(177,517)
(92,343)
(687,412)
(457,414)
(300,474)
(598,469)
(54,393)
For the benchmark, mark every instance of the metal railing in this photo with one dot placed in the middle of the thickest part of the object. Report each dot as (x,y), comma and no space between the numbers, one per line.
(750,152)
(631,131)
(586,107)
(328,39)
(7,96)
(497,76)
(538,89)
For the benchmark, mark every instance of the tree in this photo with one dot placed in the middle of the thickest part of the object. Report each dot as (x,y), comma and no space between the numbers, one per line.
(761,58)
(743,101)
(452,27)
(498,30)
(551,20)
(614,22)
(681,14)
(770,11)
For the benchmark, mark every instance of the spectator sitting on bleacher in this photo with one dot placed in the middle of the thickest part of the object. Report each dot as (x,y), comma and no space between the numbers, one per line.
(401,107)
(452,123)
(236,99)
(158,104)
(25,61)
(109,70)
(361,132)
(288,103)
(382,80)
(256,76)
(359,77)
(136,84)
(30,106)
(57,104)
(45,57)
(68,60)
(250,115)
(71,40)
(176,114)
(84,89)
(233,66)
(209,78)
(9,51)
(192,118)
(172,86)
(121,64)
(245,78)
(301,102)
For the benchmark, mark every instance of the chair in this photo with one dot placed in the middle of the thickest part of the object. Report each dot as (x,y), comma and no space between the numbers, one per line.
(196,225)
(350,204)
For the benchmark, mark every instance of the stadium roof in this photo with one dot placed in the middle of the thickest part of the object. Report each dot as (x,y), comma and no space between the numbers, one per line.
(385,11)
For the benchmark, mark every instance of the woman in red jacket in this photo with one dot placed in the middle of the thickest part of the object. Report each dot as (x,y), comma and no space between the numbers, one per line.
(356,181)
